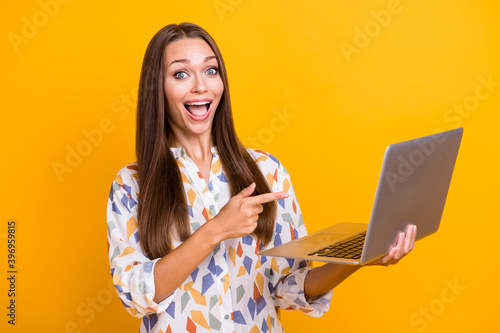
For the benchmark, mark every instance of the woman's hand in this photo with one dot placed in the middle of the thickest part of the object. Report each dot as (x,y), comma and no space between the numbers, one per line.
(404,245)
(239,217)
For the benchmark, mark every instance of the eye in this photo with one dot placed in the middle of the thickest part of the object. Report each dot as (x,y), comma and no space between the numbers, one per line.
(180,75)
(212,71)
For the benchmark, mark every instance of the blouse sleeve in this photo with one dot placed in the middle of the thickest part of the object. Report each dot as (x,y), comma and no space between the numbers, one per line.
(288,290)
(131,270)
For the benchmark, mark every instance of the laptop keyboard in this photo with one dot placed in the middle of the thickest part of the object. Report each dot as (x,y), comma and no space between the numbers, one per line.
(348,249)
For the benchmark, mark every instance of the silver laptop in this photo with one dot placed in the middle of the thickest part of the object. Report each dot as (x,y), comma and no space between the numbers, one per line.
(412,189)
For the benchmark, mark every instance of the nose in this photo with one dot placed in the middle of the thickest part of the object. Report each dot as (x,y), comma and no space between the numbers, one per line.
(199,84)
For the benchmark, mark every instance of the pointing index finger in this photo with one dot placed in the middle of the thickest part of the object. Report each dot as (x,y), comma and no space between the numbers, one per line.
(267,197)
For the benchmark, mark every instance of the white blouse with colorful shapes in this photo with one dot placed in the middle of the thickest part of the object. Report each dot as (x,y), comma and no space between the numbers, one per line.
(233,289)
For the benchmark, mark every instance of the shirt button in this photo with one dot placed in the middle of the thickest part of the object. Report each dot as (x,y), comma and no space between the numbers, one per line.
(222,280)
(226,317)
(212,207)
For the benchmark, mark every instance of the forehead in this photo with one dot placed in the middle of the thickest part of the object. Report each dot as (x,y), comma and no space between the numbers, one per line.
(192,49)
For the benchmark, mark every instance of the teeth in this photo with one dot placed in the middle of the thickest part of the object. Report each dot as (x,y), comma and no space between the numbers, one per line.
(198,103)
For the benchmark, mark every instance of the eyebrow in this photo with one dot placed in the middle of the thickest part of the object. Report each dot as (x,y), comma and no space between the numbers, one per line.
(187,61)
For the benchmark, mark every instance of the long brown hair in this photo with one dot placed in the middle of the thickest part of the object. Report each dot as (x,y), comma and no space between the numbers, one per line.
(162,208)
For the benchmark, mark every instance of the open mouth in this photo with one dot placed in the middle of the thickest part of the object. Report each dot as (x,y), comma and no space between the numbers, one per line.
(197,109)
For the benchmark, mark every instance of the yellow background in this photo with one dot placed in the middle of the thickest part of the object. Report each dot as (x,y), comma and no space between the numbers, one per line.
(79,69)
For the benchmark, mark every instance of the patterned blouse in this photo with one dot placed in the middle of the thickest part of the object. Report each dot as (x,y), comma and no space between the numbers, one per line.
(233,289)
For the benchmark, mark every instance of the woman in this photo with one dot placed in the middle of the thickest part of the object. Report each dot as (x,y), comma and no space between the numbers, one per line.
(203,206)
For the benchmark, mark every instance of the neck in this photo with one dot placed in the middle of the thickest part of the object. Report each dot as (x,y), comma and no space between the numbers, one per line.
(197,147)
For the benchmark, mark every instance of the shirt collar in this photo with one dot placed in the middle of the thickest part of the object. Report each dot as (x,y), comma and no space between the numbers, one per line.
(180,152)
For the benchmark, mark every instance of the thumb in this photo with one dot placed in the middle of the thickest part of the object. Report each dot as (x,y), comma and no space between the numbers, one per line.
(246,192)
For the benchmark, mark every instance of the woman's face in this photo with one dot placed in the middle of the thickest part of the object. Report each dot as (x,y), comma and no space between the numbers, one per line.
(193,86)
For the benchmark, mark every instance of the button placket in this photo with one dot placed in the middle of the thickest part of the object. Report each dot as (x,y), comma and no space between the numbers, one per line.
(226,300)
(226,306)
